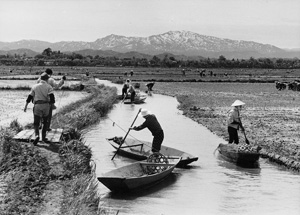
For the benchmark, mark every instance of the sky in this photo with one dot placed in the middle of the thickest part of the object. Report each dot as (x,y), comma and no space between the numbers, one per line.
(275,22)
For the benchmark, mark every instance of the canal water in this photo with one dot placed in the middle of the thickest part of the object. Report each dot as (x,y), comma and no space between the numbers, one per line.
(209,186)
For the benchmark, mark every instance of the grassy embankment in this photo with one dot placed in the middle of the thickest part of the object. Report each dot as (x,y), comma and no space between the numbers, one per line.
(59,178)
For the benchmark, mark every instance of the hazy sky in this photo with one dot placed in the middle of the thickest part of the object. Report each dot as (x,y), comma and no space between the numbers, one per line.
(275,22)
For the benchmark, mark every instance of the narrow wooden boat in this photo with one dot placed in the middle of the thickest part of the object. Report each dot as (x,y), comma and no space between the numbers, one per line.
(138,175)
(140,150)
(121,97)
(139,99)
(241,154)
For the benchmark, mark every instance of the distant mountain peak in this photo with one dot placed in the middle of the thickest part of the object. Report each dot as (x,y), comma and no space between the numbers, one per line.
(176,42)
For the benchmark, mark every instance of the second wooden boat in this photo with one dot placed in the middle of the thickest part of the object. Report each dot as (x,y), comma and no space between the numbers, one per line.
(138,175)
(138,99)
(242,154)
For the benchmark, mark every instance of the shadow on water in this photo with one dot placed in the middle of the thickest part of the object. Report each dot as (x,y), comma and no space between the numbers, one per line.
(188,167)
(145,191)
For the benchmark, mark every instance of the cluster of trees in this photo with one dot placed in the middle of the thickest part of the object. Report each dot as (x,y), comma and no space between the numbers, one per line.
(57,58)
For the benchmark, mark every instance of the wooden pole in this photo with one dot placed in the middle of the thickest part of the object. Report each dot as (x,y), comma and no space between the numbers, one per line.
(246,140)
(126,134)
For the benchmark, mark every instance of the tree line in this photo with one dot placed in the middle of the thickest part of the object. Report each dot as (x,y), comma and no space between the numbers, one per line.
(57,58)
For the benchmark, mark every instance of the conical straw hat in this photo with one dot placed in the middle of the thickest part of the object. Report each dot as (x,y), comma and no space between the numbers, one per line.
(237,103)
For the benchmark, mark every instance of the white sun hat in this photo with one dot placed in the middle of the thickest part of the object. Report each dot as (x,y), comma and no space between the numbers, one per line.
(144,112)
(237,103)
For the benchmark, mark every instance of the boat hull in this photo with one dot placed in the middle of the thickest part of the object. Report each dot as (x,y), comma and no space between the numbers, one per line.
(135,176)
(137,100)
(140,150)
(232,153)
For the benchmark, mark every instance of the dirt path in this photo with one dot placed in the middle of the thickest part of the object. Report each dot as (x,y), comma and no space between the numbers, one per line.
(53,192)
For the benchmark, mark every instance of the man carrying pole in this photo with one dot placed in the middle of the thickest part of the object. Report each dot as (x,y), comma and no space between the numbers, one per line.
(154,127)
(123,140)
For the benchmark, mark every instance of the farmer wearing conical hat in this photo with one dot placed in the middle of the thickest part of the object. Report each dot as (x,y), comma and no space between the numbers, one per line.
(153,125)
(234,121)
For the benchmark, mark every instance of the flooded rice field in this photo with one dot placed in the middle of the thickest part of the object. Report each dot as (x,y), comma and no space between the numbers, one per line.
(210,185)
(13,101)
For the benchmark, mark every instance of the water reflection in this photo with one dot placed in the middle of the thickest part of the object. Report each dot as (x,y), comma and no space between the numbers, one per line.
(223,161)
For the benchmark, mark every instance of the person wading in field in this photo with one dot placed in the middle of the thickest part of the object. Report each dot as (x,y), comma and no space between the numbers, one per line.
(55,85)
(154,127)
(234,121)
(150,86)
(42,96)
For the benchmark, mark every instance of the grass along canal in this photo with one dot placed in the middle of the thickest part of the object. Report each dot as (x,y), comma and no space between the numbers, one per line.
(55,178)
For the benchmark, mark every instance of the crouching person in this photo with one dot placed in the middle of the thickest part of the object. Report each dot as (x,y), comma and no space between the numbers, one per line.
(42,96)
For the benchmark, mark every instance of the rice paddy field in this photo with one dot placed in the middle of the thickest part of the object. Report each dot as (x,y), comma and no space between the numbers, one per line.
(160,74)
(270,116)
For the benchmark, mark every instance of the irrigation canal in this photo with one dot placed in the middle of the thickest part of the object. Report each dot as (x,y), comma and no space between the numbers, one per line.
(210,186)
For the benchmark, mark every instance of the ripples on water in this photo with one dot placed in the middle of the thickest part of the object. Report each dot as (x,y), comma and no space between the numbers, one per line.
(209,186)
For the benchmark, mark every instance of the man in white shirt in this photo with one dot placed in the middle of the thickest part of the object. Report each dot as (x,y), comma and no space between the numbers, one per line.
(42,96)
(55,85)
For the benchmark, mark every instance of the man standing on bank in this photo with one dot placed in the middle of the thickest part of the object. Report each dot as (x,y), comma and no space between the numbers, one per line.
(154,127)
(42,96)
(234,122)
(55,86)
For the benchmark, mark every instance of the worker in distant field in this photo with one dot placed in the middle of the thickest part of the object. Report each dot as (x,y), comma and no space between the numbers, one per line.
(55,86)
(125,88)
(42,96)
(234,122)
(154,127)
(150,86)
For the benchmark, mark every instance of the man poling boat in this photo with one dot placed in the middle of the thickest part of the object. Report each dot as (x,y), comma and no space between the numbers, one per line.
(234,122)
(126,134)
(154,127)
(241,154)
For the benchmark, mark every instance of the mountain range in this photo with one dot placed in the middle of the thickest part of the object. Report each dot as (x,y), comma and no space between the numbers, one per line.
(183,43)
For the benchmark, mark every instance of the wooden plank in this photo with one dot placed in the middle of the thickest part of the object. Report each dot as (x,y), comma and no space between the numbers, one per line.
(24,135)
(53,136)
